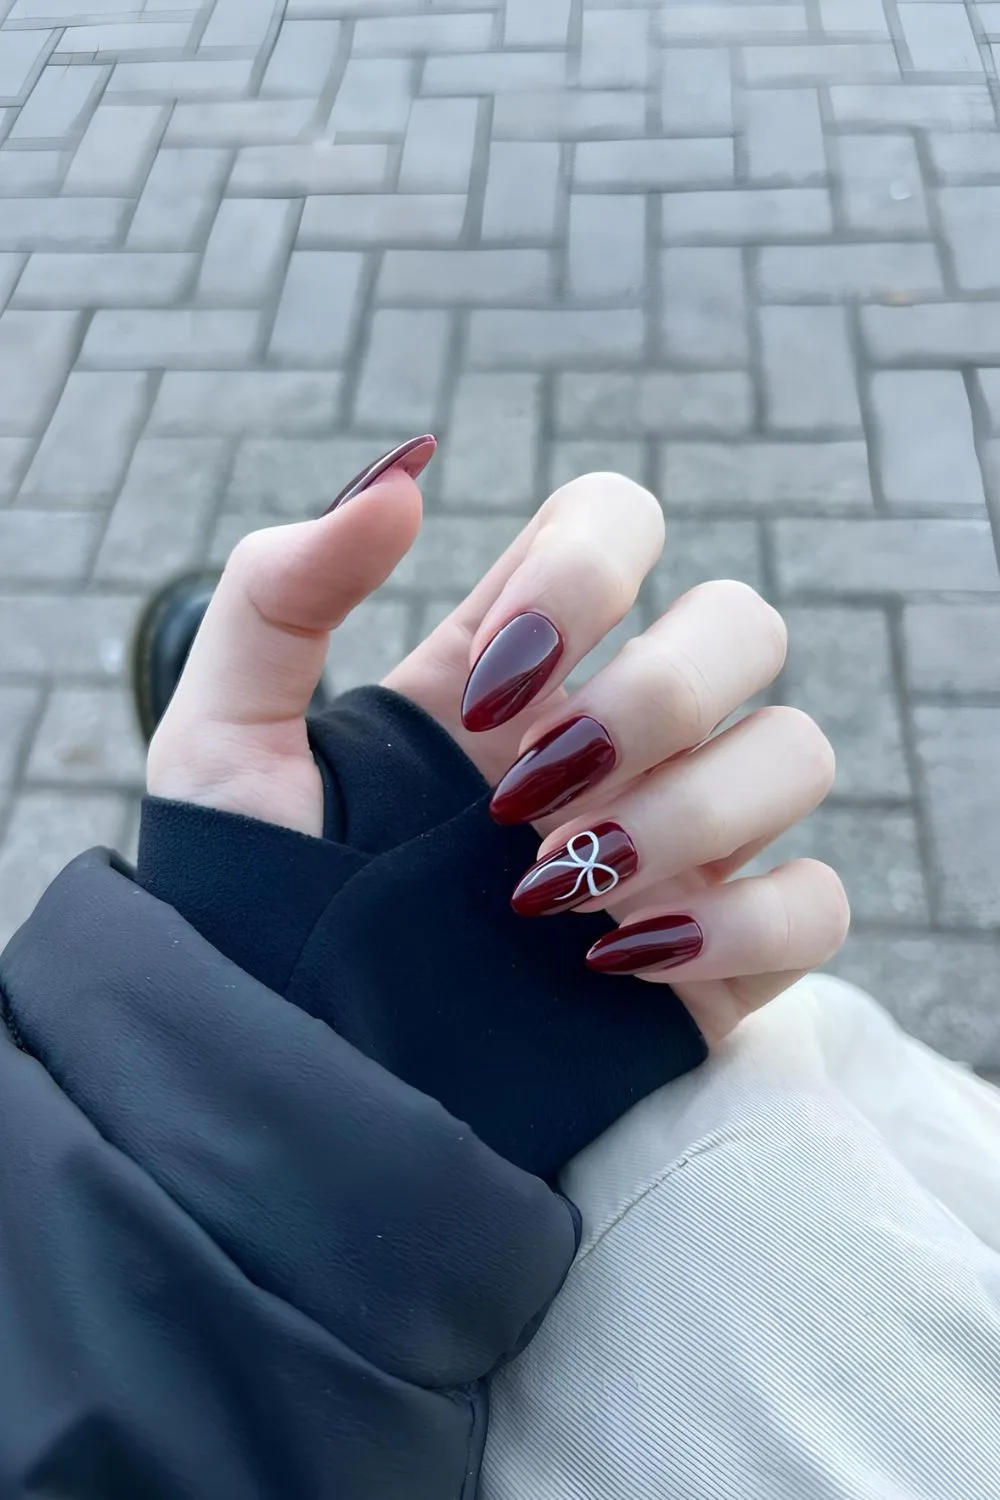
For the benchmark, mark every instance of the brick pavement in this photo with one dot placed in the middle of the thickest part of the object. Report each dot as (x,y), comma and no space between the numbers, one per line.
(747,252)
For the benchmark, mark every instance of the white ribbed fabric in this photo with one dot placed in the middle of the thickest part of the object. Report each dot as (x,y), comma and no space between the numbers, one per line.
(788,1286)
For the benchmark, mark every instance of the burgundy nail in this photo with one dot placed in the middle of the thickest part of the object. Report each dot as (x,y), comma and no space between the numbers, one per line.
(412,457)
(657,943)
(588,865)
(563,763)
(511,670)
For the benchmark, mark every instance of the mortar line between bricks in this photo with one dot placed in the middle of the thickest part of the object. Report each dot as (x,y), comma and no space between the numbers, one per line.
(217,507)
(152,383)
(359,339)
(263,56)
(18,781)
(981,438)
(869,423)
(271,301)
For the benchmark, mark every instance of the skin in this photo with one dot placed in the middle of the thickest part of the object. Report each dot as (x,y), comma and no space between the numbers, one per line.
(697,807)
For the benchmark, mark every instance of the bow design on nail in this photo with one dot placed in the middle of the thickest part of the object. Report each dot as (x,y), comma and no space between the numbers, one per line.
(587,866)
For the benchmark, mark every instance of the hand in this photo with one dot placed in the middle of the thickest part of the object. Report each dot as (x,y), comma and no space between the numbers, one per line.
(660,820)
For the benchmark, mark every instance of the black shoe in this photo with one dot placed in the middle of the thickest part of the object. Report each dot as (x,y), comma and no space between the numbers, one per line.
(167,628)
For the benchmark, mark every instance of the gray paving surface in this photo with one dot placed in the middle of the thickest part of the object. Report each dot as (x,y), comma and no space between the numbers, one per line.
(748,253)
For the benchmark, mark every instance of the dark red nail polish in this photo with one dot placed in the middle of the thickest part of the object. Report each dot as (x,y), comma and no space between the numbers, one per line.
(657,943)
(412,457)
(515,665)
(587,866)
(563,763)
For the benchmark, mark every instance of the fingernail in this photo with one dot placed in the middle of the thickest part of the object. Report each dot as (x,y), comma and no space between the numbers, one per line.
(588,865)
(563,763)
(515,665)
(412,457)
(658,943)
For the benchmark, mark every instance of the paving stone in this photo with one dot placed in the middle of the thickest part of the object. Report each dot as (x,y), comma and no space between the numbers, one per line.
(319,167)
(653,164)
(808,367)
(45,634)
(242,122)
(971,218)
(553,336)
(403,368)
(116,150)
(86,446)
(70,10)
(951,648)
(941,106)
(571,115)
(11,266)
(14,456)
(880,185)
(700,550)
(451,277)
(493,72)
(875,851)
(238,23)
(457,548)
(300,65)
(373,97)
(965,156)
(856,60)
(607,649)
(926,452)
(568,460)
(715,23)
(195,402)
(939,38)
(130,37)
(490,454)
(179,200)
(696,95)
(989,16)
(55,223)
(935,333)
(854,16)
(180,338)
(319,308)
(840,671)
(957,749)
(104,279)
(45,831)
(746,214)
(653,404)
(389,36)
(295,477)
(440,140)
(182,79)
(837,272)
(880,556)
(607,248)
(831,476)
(87,735)
(246,250)
(381,219)
(536,23)
(18,712)
(45,547)
(21,52)
(36,350)
(369,643)
(159,522)
(784,135)
(23,172)
(704,306)
(613,49)
(942,989)
(522,186)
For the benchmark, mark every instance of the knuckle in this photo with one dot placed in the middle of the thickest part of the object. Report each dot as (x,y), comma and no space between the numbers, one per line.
(688,699)
(248,555)
(820,892)
(749,610)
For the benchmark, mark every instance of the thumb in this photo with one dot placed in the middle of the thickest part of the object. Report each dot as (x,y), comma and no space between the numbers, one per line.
(262,644)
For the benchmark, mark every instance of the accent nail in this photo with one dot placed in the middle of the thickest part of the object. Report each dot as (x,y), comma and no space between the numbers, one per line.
(657,943)
(561,765)
(511,670)
(587,866)
(412,457)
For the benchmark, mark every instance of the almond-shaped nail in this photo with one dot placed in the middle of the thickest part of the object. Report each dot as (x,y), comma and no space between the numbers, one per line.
(412,457)
(587,867)
(657,943)
(511,670)
(563,763)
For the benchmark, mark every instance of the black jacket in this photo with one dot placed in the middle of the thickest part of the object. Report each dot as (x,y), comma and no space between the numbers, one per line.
(271,1110)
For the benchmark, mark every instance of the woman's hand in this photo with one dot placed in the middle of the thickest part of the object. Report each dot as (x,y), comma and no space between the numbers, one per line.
(641,811)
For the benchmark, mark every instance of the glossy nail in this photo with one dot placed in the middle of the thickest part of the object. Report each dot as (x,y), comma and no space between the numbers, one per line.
(412,457)
(587,866)
(657,943)
(561,765)
(511,670)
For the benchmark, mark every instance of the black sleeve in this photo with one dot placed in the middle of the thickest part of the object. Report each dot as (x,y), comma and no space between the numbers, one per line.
(239,1260)
(396,929)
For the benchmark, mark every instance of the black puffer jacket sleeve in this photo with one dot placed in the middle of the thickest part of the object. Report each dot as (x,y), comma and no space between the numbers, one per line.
(239,1260)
